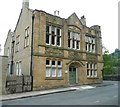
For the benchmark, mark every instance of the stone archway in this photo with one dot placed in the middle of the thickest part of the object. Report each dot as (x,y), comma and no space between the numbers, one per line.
(74,71)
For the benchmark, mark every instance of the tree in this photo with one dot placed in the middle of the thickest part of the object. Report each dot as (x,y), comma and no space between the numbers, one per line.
(108,68)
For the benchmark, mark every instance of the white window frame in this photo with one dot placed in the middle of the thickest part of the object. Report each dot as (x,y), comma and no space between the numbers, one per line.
(55,63)
(95,73)
(59,72)
(49,63)
(53,75)
(48,73)
(20,68)
(17,68)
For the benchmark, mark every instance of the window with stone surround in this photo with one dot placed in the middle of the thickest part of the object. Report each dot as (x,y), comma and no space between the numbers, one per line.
(73,40)
(18,68)
(91,70)
(53,68)
(90,44)
(53,35)
(26,41)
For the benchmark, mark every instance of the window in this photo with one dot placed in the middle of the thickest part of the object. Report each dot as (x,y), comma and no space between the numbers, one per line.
(53,68)
(91,70)
(18,68)
(59,72)
(73,40)
(88,73)
(53,63)
(90,44)
(17,43)
(58,36)
(8,52)
(48,62)
(9,69)
(95,73)
(53,35)
(26,42)
(48,72)
(47,34)
(53,72)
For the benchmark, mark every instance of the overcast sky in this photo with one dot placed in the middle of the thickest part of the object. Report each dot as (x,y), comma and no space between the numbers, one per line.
(97,12)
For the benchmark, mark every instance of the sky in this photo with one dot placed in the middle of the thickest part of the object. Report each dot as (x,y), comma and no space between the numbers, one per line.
(96,12)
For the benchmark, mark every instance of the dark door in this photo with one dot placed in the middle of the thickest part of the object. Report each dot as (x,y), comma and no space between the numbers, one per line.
(72,75)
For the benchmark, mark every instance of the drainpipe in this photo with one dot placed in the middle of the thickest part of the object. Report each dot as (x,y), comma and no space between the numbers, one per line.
(31,63)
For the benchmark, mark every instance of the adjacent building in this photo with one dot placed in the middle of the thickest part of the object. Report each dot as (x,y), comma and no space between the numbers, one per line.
(55,51)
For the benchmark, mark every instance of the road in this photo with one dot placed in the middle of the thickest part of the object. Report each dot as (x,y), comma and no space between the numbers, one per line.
(105,95)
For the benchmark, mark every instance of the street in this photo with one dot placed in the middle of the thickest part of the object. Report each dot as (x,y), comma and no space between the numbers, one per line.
(105,95)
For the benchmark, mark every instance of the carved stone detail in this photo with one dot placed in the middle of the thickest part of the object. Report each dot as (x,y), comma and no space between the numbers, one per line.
(91,57)
(75,55)
(50,52)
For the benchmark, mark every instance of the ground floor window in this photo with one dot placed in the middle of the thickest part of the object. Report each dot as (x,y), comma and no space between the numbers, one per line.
(18,68)
(53,68)
(91,70)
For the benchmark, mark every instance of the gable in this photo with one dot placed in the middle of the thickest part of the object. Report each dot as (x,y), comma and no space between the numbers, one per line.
(73,20)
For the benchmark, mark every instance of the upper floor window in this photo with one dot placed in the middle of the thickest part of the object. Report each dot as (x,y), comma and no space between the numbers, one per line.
(73,40)
(53,35)
(26,41)
(90,44)
(17,43)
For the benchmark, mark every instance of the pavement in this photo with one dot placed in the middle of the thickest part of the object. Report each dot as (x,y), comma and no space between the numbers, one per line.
(51,91)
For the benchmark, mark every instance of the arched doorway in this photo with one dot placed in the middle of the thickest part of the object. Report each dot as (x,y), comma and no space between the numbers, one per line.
(74,68)
(72,75)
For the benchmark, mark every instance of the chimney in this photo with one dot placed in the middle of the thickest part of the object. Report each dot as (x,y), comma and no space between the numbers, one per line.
(25,4)
(83,20)
(56,13)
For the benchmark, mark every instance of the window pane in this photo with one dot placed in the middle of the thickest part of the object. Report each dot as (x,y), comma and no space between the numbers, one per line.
(88,73)
(47,62)
(91,73)
(47,38)
(53,30)
(47,29)
(68,35)
(16,68)
(87,65)
(20,70)
(58,41)
(73,43)
(78,45)
(53,62)
(95,73)
(58,31)
(69,43)
(59,72)
(53,72)
(59,63)
(47,72)
(53,40)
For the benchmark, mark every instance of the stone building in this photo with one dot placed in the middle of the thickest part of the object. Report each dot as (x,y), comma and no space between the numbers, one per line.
(55,51)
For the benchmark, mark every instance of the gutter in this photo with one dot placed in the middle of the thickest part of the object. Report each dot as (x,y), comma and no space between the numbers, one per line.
(31,63)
